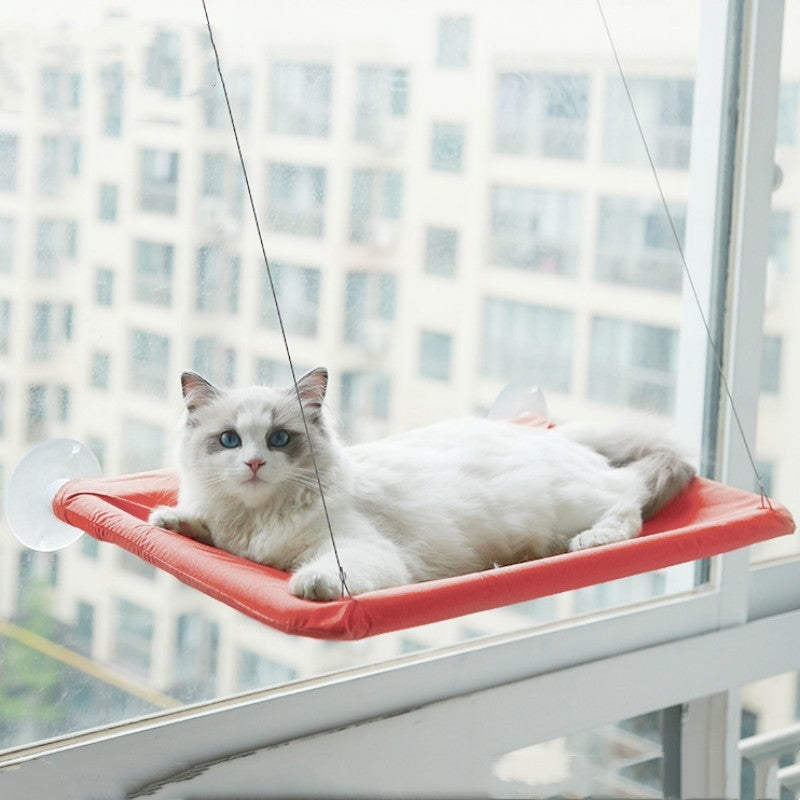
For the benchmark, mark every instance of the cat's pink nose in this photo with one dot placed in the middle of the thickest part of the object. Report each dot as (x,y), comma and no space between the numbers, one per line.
(255,464)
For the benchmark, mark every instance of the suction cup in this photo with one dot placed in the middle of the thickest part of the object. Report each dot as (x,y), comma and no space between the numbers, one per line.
(33,485)
(518,399)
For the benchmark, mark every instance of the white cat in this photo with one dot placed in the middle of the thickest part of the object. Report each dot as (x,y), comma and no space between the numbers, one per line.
(448,499)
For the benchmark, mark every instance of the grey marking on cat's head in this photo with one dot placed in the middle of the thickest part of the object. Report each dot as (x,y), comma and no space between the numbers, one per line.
(197,393)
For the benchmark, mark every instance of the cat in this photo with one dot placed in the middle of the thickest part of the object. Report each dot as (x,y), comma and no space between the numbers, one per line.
(448,499)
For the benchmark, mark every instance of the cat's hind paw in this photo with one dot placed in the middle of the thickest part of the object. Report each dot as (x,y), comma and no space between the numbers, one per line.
(313,583)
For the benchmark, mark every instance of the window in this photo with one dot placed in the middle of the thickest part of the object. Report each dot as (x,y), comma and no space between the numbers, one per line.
(2,411)
(300,98)
(158,181)
(51,166)
(8,162)
(454,42)
(99,370)
(536,229)
(434,355)
(298,290)
(162,66)
(135,626)
(780,240)
(196,657)
(256,671)
(636,245)
(108,202)
(223,193)
(143,445)
(112,88)
(366,397)
(240,89)
(149,363)
(542,114)
(381,102)
(43,333)
(7,234)
(788,106)
(296,199)
(447,147)
(217,281)
(214,361)
(153,277)
(530,342)
(665,108)
(5,326)
(104,286)
(632,364)
(376,205)
(441,251)
(83,629)
(60,90)
(771,348)
(135,566)
(370,300)
(271,372)
(37,413)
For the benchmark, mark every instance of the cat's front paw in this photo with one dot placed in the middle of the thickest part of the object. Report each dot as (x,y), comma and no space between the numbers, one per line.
(314,583)
(165,517)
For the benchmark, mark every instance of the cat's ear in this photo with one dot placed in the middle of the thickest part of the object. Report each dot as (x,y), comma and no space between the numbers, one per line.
(197,391)
(312,387)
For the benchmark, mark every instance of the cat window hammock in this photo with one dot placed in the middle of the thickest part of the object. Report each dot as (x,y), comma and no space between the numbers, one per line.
(707,519)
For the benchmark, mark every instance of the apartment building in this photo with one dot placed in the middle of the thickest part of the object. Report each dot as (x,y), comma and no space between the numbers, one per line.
(449,200)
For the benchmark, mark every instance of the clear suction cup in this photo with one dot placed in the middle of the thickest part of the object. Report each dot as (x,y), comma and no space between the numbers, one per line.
(33,485)
(519,399)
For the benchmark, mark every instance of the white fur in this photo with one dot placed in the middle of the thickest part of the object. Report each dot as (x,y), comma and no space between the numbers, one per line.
(448,499)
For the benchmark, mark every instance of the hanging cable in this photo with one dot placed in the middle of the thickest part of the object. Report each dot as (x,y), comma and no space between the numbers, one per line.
(342,574)
(710,339)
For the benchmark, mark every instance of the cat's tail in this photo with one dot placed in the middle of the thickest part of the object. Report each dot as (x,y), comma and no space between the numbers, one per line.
(657,459)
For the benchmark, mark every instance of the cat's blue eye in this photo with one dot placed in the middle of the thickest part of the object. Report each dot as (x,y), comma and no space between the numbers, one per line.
(278,438)
(230,439)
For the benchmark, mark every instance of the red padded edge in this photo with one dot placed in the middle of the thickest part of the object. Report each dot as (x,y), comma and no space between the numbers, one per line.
(706,520)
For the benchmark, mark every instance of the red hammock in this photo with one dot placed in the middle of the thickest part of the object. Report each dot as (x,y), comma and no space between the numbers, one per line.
(705,520)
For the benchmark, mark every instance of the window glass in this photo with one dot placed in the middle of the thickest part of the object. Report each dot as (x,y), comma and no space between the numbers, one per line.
(448,204)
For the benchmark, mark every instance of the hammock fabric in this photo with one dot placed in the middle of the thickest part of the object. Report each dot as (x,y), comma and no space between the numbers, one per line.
(705,520)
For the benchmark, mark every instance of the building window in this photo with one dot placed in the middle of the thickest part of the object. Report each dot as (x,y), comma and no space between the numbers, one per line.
(771,350)
(51,166)
(149,363)
(98,446)
(271,372)
(134,636)
(370,299)
(112,83)
(240,90)
(196,656)
(298,291)
(143,446)
(43,333)
(257,672)
(447,147)
(434,355)
(153,277)
(296,199)
(441,251)
(5,326)
(162,66)
(366,397)
(454,42)
(83,628)
(665,108)
(108,202)
(536,229)
(63,403)
(215,361)
(37,413)
(636,245)
(632,364)
(300,98)
(104,286)
(780,240)
(100,370)
(7,234)
(2,409)
(134,565)
(527,342)
(90,547)
(376,207)
(158,181)
(8,162)
(542,114)
(381,100)
(217,280)
(60,90)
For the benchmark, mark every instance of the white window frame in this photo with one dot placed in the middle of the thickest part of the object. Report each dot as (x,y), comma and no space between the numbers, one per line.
(452,713)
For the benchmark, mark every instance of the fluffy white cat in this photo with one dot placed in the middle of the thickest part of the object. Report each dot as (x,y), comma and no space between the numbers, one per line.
(444,500)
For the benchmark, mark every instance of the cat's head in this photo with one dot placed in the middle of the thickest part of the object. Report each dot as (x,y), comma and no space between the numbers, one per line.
(252,445)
